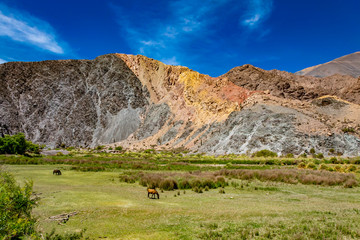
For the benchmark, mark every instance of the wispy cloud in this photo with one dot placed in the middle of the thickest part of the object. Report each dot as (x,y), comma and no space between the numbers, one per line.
(2,61)
(257,12)
(163,40)
(186,32)
(23,28)
(170,61)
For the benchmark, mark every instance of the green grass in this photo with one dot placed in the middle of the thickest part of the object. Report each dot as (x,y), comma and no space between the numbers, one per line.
(248,210)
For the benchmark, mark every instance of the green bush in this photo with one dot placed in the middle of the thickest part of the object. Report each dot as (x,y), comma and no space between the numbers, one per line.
(334,160)
(118,148)
(16,205)
(312,151)
(100,147)
(351,168)
(265,153)
(68,236)
(323,167)
(311,165)
(197,190)
(348,130)
(17,144)
(289,155)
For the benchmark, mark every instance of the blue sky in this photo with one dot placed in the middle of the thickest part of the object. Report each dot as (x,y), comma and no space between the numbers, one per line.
(209,36)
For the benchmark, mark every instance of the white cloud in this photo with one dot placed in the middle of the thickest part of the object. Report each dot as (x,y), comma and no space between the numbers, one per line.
(170,61)
(27,29)
(2,61)
(257,12)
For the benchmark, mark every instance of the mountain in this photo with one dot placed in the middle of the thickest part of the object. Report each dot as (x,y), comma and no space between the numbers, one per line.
(346,65)
(138,103)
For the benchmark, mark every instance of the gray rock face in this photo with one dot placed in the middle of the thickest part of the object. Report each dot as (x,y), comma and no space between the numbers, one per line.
(79,103)
(261,127)
(155,118)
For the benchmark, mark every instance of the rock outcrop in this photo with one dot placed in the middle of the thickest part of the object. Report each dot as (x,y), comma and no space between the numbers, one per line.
(139,102)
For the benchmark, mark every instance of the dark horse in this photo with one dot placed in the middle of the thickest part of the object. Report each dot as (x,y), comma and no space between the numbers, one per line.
(153,192)
(57,172)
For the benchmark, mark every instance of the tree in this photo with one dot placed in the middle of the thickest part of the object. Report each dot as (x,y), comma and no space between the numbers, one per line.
(17,144)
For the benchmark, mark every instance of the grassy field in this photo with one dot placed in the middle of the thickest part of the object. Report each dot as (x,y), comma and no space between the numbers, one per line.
(249,209)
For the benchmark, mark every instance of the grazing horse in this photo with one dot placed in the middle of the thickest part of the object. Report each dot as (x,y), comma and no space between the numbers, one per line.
(57,172)
(153,192)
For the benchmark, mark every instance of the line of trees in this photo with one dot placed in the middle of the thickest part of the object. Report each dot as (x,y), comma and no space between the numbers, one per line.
(17,144)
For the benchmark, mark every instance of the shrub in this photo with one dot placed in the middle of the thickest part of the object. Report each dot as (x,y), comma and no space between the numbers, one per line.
(17,144)
(127,178)
(289,155)
(351,168)
(320,156)
(339,153)
(68,236)
(338,168)
(312,151)
(334,160)
(222,190)
(265,153)
(350,183)
(234,184)
(292,176)
(197,190)
(168,184)
(206,188)
(302,165)
(100,147)
(118,148)
(348,130)
(311,165)
(332,151)
(323,167)
(16,205)
(220,182)
(184,184)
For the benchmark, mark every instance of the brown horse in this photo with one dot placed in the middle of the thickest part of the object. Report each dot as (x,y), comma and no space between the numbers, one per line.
(153,192)
(57,172)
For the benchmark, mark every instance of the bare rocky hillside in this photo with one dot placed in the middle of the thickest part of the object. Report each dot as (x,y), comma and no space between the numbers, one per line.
(346,65)
(139,102)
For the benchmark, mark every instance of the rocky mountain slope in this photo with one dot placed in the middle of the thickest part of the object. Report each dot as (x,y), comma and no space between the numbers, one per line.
(346,65)
(139,102)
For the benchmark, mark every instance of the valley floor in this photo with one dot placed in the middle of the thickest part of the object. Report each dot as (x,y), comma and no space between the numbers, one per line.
(111,209)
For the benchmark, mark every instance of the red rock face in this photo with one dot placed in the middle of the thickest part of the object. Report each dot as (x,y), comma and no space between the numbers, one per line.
(234,93)
(289,86)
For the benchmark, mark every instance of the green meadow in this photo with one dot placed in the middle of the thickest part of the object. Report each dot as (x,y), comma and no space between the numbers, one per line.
(234,203)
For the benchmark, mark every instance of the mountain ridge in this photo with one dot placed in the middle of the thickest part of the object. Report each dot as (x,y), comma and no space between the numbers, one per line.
(138,102)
